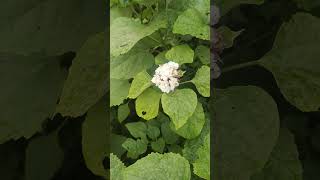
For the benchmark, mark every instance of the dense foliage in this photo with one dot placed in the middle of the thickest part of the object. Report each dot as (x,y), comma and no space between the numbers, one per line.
(159,89)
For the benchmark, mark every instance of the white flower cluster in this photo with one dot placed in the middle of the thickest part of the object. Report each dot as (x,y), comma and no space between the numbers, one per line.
(166,77)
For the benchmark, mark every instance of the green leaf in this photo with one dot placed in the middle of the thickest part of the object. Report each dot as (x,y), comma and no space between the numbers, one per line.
(283,163)
(129,65)
(119,90)
(43,157)
(140,83)
(245,118)
(201,166)
(135,147)
(202,81)
(192,146)
(160,58)
(159,167)
(168,135)
(153,131)
(193,126)
(192,23)
(30,89)
(116,168)
(228,35)
(147,104)
(293,61)
(87,80)
(158,145)
(180,54)
(137,129)
(174,148)
(116,144)
(126,32)
(52,26)
(203,53)
(226,5)
(95,138)
(179,105)
(123,112)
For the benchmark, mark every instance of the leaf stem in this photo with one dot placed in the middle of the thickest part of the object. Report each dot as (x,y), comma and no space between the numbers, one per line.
(185,82)
(239,66)
(155,40)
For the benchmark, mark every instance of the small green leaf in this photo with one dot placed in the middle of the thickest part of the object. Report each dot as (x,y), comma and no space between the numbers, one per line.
(180,54)
(147,104)
(137,129)
(179,105)
(156,166)
(140,83)
(158,145)
(160,58)
(123,112)
(126,32)
(202,81)
(119,90)
(153,132)
(168,135)
(135,147)
(193,126)
(191,22)
(203,53)
(129,65)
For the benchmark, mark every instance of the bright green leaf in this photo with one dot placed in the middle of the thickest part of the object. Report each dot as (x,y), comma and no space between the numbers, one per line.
(119,90)
(116,168)
(201,166)
(202,81)
(140,83)
(147,104)
(180,54)
(179,105)
(193,126)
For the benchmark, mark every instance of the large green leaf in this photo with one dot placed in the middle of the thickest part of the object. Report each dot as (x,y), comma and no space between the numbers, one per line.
(159,167)
(43,157)
(87,80)
(147,104)
(119,90)
(226,5)
(294,61)
(246,126)
(180,54)
(50,26)
(179,105)
(31,86)
(284,163)
(192,128)
(202,81)
(116,168)
(192,23)
(129,65)
(95,138)
(126,32)
(140,83)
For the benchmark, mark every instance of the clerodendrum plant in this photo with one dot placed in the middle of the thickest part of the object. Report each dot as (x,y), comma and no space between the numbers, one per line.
(159,89)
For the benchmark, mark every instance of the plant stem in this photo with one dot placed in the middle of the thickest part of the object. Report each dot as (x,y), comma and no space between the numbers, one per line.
(239,66)
(184,82)
(155,40)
